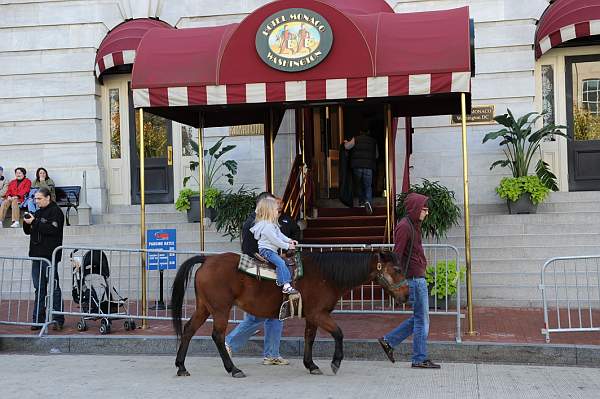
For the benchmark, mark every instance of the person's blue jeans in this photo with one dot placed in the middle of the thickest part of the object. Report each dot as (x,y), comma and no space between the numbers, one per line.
(283,273)
(242,333)
(364,178)
(39,275)
(418,324)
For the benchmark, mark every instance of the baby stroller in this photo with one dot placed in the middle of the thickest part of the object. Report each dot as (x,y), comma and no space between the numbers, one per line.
(93,293)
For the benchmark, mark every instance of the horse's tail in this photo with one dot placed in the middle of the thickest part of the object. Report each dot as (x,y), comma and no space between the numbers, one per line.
(179,286)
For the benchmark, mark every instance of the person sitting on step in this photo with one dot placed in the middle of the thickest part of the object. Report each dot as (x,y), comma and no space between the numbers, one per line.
(270,239)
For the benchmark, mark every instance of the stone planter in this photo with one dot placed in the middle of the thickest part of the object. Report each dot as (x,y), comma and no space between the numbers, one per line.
(522,205)
(193,214)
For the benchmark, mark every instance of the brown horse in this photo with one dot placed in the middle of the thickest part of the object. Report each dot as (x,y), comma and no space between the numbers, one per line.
(327,277)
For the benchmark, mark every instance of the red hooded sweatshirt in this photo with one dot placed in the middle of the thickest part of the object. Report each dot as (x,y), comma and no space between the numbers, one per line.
(414,203)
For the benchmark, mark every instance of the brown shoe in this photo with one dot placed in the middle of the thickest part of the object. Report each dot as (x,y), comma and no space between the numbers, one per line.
(426,364)
(389,351)
(57,326)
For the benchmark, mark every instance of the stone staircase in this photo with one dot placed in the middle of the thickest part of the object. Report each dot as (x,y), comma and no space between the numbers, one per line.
(509,251)
(120,228)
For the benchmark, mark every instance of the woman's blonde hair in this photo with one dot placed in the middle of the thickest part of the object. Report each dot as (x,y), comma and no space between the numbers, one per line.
(267,210)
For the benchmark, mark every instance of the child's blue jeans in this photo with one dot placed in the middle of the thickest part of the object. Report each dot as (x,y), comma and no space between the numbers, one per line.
(283,273)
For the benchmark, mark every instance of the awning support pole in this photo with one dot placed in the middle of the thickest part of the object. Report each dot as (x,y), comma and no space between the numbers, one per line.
(388,186)
(463,104)
(201,178)
(143,222)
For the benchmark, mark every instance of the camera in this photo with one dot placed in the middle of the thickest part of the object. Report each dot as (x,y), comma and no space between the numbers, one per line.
(27,215)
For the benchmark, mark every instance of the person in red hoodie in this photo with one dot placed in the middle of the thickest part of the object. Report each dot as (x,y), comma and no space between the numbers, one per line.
(409,247)
(18,188)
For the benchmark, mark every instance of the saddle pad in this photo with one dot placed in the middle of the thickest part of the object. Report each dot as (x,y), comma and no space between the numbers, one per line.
(251,266)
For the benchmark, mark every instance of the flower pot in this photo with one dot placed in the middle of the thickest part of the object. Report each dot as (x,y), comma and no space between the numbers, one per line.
(522,205)
(441,303)
(210,213)
(193,214)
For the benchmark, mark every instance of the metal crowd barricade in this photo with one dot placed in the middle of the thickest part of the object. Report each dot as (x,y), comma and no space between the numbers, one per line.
(570,288)
(17,293)
(372,298)
(106,286)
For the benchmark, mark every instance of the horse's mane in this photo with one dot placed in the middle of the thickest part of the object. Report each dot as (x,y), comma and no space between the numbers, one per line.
(344,269)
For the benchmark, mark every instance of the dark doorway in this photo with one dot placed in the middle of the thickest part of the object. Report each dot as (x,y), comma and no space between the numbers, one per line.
(158,144)
(583,121)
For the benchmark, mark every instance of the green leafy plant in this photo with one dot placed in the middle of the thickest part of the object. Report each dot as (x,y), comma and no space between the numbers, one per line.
(183,201)
(443,278)
(521,143)
(443,211)
(211,196)
(232,210)
(512,188)
(214,168)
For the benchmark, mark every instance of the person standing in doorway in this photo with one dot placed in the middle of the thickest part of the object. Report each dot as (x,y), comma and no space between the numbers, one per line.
(45,228)
(236,339)
(363,161)
(409,247)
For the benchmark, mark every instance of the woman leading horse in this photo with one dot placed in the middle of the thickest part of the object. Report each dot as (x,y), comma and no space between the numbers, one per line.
(327,277)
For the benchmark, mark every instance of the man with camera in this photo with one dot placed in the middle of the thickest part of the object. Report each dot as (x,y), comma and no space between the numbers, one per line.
(45,228)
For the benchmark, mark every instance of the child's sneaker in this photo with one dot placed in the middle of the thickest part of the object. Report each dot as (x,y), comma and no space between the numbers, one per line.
(275,361)
(289,290)
(15,224)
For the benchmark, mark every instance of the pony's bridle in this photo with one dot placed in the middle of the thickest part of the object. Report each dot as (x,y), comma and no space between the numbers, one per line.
(385,283)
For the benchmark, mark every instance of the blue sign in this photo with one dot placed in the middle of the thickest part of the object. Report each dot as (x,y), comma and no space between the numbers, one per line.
(164,240)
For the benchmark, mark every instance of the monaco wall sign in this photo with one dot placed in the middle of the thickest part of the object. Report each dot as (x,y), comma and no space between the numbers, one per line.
(293,40)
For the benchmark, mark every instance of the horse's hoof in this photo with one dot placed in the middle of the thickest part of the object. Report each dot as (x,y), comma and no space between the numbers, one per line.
(334,368)
(238,374)
(183,373)
(316,371)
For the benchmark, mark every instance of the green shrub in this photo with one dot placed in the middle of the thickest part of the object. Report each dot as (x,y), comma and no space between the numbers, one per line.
(211,196)
(232,210)
(183,201)
(443,211)
(443,279)
(512,188)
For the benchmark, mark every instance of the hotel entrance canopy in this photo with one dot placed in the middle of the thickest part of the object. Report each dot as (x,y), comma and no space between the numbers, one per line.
(293,52)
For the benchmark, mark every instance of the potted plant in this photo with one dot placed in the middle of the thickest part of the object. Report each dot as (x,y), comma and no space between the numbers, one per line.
(521,144)
(523,194)
(443,211)
(215,169)
(443,281)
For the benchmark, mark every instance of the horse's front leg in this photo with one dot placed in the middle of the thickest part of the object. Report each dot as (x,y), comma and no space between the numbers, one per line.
(220,322)
(310,331)
(326,322)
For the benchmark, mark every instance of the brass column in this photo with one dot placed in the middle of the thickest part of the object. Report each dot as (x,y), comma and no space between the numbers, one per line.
(201,179)
(463,104)
(388,187)
(143,222)
(272,149)
(304,169)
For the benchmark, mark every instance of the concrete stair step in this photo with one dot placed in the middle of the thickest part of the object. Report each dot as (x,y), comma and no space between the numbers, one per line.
(547,219)
(528,240)
(515,229)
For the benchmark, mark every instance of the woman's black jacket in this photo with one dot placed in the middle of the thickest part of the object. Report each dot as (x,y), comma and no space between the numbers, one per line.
(46,231)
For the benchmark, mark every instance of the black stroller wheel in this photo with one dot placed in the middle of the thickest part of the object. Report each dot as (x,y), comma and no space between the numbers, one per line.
(82,325)
(105,326)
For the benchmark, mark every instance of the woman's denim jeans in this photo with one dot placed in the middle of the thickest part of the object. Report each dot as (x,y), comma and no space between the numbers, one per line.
(417,324)
(283,273)
(242,333)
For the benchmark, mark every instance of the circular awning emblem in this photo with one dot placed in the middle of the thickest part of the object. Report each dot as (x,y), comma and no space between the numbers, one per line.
(294,40)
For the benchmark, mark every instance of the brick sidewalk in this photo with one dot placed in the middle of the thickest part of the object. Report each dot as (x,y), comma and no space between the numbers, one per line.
(508,325)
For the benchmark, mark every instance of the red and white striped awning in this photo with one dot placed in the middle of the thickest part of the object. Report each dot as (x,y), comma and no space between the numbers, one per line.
(120,44)
(376,53)
(566,20)
(311,90)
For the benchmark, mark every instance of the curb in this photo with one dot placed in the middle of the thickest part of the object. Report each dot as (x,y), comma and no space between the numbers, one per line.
(354,349)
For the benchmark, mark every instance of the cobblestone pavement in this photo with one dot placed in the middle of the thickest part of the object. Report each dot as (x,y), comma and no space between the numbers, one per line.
(85,376)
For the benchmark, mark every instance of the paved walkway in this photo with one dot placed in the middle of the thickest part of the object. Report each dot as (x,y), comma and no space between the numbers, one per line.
(83,376)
